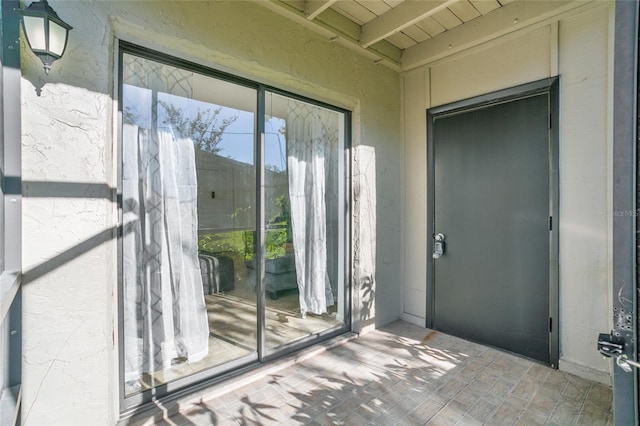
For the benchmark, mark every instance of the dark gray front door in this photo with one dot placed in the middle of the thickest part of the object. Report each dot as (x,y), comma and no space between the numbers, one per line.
(491,201)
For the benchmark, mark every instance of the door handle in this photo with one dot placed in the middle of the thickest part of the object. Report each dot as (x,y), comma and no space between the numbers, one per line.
(438,245)
(625,363)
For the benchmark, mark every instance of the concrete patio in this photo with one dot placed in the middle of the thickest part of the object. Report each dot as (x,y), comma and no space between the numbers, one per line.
(400,375)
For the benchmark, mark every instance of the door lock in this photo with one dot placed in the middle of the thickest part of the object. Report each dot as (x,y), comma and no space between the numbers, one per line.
(438,245)
(610,345)
(613,347)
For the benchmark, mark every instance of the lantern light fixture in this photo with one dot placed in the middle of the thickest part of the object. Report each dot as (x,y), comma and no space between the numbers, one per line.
(46,33)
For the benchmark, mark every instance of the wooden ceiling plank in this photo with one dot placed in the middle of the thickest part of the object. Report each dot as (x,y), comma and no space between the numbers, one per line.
(313,8)
(377,7)
(431,26)
(485,6)
(416,33)
(393,3)
(401,40)
(464,11)
(357,12)
(399,18)
(447,19)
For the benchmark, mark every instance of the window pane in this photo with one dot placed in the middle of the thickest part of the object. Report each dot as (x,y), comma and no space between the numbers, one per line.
(304,220)
(189,220)
(57,38)
(34,29)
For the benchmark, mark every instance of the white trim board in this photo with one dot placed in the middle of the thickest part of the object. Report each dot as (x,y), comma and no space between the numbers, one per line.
(488,33)
(415,320)
(585,372)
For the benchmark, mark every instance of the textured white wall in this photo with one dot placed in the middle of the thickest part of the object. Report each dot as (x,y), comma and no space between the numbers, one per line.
(585,188)
(68,254)
(416,102)
(70,334)
(581,43)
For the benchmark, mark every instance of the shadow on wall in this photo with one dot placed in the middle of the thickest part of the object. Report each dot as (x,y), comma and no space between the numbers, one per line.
(364,236)
(68,190)
(368,298)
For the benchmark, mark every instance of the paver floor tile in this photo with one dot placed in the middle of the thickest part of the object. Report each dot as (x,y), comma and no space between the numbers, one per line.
(405,375)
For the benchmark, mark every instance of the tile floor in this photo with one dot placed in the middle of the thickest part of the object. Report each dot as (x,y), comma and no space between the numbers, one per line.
(406,375)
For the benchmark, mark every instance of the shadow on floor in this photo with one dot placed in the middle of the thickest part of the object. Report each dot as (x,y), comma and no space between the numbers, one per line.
(407,375)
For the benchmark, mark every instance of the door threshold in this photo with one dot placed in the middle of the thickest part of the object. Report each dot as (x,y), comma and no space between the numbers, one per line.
(163,408)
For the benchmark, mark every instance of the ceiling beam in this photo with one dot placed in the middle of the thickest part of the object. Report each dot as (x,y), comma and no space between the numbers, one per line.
(398,18)
(338,29)
(507,19)
(313,8)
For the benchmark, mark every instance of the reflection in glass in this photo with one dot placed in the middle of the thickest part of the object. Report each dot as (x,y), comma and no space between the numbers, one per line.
(188,189)
(189,272)
(304,193)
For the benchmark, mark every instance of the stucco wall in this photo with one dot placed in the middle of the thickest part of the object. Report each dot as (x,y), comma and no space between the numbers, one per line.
(576,47)
(69,255)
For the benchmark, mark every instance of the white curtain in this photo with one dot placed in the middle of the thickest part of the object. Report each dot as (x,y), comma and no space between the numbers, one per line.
(165,320)
(312,136)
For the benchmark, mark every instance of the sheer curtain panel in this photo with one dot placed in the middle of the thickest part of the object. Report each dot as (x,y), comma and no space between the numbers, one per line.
(165,320)
(312,137)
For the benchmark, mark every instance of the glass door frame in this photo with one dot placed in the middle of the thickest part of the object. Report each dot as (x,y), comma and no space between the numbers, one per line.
(173,390)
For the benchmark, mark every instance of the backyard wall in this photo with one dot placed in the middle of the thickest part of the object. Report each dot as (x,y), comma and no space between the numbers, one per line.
(69,174)
(576,47)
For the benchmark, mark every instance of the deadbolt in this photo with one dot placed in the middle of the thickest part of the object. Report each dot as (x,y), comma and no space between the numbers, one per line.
(438,245)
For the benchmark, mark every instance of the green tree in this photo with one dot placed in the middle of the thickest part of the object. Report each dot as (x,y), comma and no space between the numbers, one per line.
(129,115)
(205,129)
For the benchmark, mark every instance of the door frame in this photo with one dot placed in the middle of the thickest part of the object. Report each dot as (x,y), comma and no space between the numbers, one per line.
(624,213)
(548,86)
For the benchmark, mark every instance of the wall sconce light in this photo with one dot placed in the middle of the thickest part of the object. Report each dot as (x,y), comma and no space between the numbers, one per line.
(46,33)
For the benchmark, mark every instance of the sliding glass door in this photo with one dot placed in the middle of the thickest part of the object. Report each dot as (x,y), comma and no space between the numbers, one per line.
(197,254)
(188,190)
(304,220)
